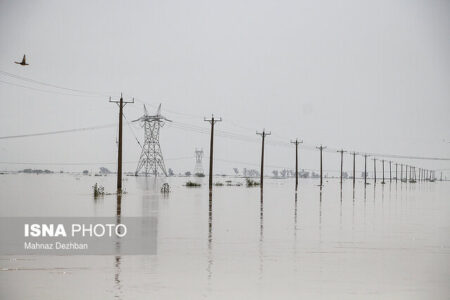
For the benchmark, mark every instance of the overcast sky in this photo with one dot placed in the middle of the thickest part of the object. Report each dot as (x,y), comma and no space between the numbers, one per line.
(369,76)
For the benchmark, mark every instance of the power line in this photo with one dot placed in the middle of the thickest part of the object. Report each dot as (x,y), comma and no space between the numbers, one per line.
(56,132)
(51,85)
(81,163)
(47,91)
(178,125)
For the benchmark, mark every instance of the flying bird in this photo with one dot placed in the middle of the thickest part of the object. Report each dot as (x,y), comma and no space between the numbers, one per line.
(23,62)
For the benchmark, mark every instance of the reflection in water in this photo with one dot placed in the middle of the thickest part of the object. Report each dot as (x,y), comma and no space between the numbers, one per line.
(320,216)
(320,208)
(261,236)
(210,221)
(374,196)
(340,209)
(365,202)
(353,209)
(295,215)
(117,283)
(117,259)
(295,234)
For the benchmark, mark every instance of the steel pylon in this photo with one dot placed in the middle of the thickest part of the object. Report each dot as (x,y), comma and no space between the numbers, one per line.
(151,160)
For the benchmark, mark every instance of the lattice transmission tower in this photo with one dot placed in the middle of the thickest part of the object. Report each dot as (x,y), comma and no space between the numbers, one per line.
(198,161)
(151,160)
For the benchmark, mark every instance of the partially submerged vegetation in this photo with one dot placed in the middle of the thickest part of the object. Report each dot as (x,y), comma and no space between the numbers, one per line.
(193,184)
(98,190)
(165,189)
(250,182)
(36,171)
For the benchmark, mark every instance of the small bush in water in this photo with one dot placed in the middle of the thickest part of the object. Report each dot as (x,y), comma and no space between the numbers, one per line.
(192,184)
(98,190)
(251,182)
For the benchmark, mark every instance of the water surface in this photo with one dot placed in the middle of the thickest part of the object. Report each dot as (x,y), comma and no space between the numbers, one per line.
(388,241)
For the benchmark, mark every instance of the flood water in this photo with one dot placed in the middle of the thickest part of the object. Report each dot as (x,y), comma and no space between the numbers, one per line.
(388,241)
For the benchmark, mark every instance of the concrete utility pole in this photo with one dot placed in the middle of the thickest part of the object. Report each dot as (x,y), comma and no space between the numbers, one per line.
(212,121)
(354,164)
(342,161)
(374,170)
(365,170)
(321,170)
(296,142)
(121,105)
(383,171)
(263,135)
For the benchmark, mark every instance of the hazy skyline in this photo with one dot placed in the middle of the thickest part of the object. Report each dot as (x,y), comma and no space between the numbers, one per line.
(365,76)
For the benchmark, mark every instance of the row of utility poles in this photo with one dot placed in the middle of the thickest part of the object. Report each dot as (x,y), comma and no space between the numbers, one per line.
(423,173)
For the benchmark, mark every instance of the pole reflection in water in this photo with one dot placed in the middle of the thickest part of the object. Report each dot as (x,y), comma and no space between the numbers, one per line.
(340,210)
(117,283)
(365,206)
(117,259)
(320,215)
(295,234)
(382,200)
(295,215)
(210,224)
(353,209)
(261,236)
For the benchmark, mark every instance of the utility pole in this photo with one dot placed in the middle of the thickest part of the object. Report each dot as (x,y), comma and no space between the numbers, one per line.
(406,173)
(396,167)
(296,142)
(383,171)
(390,171)
(401,173)
(321,170)
(121,104)
(212,121)
(365,170)
(410,173)
(354,163)
(374,170)
(263,134)
(342,161)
